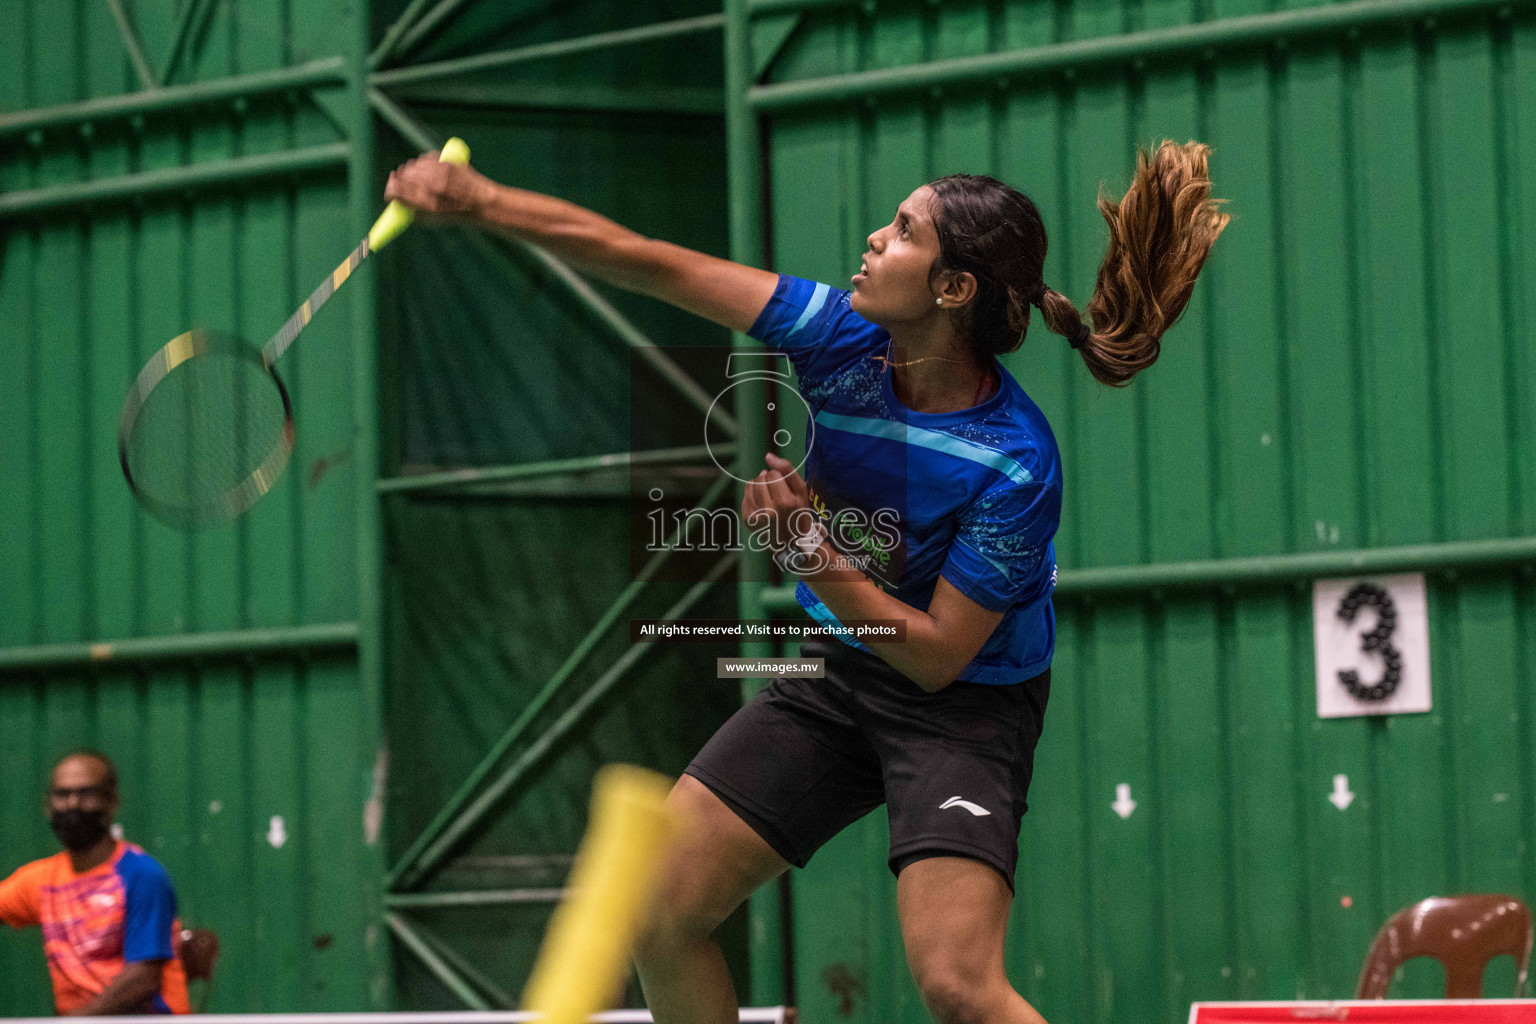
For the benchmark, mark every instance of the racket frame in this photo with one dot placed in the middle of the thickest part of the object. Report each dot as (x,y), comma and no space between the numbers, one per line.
(174,353)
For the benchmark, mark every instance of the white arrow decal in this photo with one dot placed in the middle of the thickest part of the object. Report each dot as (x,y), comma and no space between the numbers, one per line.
(1341,797)
(1123,804)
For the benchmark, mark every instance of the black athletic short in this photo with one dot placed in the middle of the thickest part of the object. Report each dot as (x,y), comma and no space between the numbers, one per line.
(807,757)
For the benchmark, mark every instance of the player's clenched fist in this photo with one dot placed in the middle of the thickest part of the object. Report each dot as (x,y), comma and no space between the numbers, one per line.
(439,189)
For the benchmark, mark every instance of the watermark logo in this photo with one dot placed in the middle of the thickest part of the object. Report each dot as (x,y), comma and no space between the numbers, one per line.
(865,540)
(670,516)
(767,378)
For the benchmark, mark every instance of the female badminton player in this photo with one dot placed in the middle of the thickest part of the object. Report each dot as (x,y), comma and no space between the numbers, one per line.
(914,414)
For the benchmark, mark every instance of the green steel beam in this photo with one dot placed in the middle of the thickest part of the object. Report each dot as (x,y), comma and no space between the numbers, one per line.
(408,870)
(745,210)
(609,486)
(1270,569)
(212,174)
(364,203)
(241,643)
(621,327)
(746,213)
(495,994)
(327,71)
(776,600)
(179,34)
(418,134)
(545,51)
(1133,47)
(773,35)
(480,898)
(554,467)
(570,720)
(131,44)
(434,962)
(605,485)
(186,27)
(764,8)
(1267,570)
(699,101)
(409,128)
(427,24)
(392,35)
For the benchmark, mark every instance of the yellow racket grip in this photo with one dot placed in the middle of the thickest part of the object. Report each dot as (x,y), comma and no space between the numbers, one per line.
(585,956)
(397,216)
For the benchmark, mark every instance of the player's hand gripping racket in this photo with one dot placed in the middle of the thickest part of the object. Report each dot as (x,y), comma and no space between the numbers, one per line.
(207,427)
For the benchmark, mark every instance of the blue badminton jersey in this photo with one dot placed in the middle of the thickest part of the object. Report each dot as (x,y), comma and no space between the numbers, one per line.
(973,495)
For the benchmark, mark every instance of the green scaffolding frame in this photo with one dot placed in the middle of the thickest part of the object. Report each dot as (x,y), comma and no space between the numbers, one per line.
(490,781)
(373,86)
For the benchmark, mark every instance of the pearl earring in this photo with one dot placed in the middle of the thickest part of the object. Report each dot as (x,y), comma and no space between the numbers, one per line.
(938,302)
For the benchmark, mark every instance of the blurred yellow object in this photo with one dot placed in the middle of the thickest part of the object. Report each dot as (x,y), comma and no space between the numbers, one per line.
(586,951)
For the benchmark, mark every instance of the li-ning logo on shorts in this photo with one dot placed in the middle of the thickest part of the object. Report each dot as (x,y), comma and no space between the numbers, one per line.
(955,801)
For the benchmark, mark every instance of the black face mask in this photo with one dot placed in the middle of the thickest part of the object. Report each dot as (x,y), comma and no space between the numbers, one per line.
(79,829)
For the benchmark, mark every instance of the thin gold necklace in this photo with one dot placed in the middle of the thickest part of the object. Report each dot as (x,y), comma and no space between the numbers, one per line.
(889,365)
(986,378)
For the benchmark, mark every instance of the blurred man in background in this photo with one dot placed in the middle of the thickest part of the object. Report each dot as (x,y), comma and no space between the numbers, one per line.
(106,907)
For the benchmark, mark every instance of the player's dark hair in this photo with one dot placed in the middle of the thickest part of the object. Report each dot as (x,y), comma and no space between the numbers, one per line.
(109,769)
(1160,234)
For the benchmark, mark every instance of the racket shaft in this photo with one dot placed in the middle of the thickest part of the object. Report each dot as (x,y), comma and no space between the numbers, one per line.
(395,219)
(274,349)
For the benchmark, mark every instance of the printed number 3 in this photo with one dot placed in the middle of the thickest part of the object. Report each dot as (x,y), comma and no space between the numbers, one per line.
(1378,640)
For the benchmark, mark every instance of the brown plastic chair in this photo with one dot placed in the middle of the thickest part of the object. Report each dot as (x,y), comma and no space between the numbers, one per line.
(199,955)
(1462,932)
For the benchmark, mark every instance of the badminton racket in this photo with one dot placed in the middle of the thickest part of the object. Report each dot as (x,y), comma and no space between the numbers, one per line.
(207,427)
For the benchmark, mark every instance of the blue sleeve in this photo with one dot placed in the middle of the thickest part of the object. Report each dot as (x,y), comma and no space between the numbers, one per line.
(1001,544)
(805,320)
(150,915)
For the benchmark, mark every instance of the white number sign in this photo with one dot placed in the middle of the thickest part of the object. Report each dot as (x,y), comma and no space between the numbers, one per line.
(1371,640)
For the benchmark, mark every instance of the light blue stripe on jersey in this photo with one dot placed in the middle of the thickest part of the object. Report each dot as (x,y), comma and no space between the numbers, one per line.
(818,299)
(821,613)
(892,430)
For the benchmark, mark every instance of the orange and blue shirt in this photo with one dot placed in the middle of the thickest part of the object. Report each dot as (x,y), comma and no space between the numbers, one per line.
(97,922)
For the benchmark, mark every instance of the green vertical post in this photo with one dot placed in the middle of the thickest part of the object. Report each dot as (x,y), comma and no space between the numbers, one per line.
(365,414)
(745,210)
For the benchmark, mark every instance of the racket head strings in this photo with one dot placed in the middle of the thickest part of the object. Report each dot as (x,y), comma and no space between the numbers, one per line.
(206,430)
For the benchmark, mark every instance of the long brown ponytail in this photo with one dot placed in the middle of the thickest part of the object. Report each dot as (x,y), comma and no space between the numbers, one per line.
(1160,234)
(1159,237)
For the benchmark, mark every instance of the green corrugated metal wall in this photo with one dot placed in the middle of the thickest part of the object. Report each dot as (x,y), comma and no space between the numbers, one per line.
(210,752)
(494,366)
(1354,371)
(487,363)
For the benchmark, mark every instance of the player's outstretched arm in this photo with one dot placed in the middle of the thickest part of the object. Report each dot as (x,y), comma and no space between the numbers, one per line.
(727,293)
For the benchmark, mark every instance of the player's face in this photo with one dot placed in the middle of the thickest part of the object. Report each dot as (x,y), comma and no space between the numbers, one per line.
(892,285)
(80,783)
